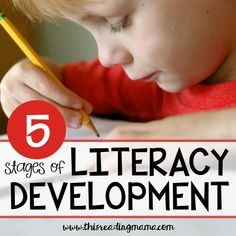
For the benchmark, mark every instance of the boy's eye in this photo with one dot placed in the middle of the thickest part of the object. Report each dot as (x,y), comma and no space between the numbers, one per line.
(117,27)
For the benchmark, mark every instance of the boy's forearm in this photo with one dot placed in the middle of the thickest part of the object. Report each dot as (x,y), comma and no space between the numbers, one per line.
(205,125)
(219,124)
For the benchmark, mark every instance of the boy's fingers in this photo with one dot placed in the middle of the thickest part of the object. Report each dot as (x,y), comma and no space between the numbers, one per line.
(73,118)
(48,87)
(12,104)
(87,107)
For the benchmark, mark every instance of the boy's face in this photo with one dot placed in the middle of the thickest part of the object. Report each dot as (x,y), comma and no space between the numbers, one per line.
(177,43)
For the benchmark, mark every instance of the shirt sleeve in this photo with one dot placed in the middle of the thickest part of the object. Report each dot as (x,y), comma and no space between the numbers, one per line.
(111,92)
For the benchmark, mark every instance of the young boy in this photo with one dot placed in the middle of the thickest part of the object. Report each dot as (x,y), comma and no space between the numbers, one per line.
(180,57)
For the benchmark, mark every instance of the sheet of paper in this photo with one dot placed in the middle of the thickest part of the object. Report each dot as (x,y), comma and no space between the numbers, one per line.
(104,126)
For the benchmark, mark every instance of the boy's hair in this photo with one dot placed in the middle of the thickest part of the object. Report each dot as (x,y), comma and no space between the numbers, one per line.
(40,9)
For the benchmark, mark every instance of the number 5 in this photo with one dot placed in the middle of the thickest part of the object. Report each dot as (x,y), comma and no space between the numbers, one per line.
(30,128)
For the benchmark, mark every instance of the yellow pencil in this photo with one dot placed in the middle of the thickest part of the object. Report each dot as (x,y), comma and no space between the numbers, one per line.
(36,60)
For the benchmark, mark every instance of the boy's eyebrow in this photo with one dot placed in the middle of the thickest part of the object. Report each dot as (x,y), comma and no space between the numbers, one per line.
(94,7)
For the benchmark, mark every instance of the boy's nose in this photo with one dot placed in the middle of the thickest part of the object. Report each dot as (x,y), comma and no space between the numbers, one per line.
(114,55)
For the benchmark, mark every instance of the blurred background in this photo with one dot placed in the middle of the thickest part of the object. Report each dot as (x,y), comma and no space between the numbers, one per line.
(63,42)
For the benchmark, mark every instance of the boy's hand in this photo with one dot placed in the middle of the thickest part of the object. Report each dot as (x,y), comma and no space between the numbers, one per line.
(205,125)
(168,128)
(25,82)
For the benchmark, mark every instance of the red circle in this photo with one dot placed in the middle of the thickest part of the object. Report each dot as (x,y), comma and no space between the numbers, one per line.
(50,119)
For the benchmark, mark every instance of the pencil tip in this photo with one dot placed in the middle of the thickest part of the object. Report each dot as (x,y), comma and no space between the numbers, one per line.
(91,126)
